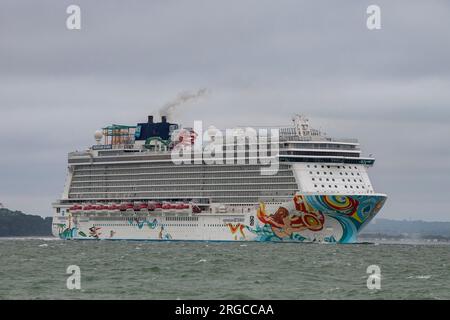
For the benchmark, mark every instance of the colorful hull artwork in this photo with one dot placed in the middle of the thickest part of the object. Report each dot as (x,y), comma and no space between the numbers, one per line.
(307,218)
(321,218)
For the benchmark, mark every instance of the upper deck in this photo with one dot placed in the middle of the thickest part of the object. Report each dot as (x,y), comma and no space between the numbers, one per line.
(136,163)
(154,142)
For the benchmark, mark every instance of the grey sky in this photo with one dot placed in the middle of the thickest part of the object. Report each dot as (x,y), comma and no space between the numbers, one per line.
(261,60)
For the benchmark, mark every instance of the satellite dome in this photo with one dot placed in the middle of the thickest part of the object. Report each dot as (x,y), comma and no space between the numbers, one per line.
(212,131)
(98,135)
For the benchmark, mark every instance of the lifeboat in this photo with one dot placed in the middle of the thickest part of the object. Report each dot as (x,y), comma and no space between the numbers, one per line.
(151,206)
(178,206)
(88,207)
(125,206)
(113,207)
(140,206)
(158,205)
(99,207)
(76,207)
(166,206)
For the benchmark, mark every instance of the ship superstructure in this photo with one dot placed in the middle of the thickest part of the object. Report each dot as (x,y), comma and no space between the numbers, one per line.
(128,186)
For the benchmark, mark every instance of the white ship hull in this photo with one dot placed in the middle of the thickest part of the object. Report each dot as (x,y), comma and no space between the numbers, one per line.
(308,218)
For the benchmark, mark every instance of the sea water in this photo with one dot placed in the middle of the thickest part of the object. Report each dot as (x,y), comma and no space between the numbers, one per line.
(37,269)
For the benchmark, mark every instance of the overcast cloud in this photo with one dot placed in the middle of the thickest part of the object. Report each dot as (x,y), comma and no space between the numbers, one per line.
(262,61)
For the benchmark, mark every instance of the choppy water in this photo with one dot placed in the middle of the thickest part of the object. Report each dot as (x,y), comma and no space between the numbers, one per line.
(36,269)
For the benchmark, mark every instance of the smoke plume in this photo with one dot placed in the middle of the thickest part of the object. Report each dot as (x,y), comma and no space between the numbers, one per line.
(169,108)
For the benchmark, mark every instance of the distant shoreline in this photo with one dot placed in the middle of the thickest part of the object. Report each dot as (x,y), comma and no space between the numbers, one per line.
(19,224)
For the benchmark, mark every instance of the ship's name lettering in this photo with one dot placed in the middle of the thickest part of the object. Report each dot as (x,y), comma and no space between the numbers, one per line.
(102,147)
(233,220)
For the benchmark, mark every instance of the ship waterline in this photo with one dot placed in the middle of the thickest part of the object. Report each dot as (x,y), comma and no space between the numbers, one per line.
(127,188)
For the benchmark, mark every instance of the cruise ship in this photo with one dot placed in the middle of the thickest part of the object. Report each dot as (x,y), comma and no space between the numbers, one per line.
(153,181)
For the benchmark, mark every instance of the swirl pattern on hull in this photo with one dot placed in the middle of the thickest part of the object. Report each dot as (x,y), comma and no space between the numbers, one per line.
(322,218)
